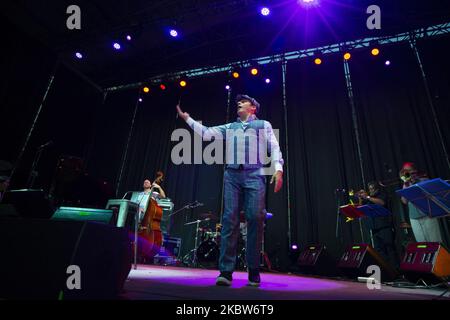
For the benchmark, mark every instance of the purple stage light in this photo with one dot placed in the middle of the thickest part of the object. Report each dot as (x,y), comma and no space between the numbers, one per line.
(173,33)
(140,99)
(388,63)
(78,55)
(294,247)
(128,37)
(116,46)
(267,80)
(308,3)
(227,87)
(265,11)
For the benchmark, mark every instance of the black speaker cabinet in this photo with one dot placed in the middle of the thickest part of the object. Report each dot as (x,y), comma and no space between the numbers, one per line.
(429,261)
(356,258)
(315,259)
(36,255)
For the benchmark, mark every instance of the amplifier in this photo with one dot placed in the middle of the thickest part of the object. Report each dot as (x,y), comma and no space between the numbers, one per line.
(315,259)
(170,247)
(358,257)
(426,260)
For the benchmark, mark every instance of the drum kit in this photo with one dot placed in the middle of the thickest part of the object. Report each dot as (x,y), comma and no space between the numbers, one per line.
(206,253)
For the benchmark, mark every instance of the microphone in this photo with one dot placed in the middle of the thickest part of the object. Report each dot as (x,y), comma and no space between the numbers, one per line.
(46,144)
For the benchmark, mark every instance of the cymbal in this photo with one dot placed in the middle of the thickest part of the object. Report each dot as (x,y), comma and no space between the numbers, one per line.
(209,215)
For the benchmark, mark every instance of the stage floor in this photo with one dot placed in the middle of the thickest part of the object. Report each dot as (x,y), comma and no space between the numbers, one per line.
(150,282)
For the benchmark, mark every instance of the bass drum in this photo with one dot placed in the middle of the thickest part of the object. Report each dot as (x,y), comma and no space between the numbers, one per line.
(208,254)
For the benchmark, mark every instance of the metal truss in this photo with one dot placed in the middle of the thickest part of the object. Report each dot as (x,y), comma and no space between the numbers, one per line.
(422,33)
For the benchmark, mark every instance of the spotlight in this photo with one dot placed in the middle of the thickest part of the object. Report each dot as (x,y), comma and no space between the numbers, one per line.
(116,46)
(163,87)
(128,37)
(318,61)
(375,51)
(183,83)
(78,55)
(308,3)
(265,11)
(388,63)
(173,33)
(267,80)
(140,99)
(146,89)
(254,71)
(347,56)
(294,247)
(227,87)
(235,75)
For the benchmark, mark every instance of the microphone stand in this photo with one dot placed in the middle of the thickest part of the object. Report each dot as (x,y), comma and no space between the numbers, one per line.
(33,172)
(192,205)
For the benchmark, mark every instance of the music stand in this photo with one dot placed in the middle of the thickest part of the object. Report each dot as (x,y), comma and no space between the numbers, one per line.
(432,197)
(368,210)
(351,211)
(374,210)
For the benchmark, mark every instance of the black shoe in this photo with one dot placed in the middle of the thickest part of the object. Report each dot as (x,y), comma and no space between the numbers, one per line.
(224,279)
(254,279)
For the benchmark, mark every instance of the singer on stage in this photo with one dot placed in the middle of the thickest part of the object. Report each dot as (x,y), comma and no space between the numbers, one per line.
(243,180)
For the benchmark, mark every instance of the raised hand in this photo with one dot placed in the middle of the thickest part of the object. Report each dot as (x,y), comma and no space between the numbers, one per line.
(181,114)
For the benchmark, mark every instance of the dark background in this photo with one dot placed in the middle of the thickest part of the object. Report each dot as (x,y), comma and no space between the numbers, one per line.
(82,121)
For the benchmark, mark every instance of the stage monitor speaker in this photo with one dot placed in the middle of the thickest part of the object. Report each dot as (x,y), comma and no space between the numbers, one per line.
(36,255)
(426,260)
(357,258)
(315,259)
(85,214)
(30,203)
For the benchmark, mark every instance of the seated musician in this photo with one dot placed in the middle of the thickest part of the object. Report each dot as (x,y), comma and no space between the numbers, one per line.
(142,198)
(382,228)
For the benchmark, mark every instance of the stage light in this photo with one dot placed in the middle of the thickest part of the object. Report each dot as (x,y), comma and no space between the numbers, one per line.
(116,46)
(347,56)
(235,75)
(388,63)
(183,83)
(128,37)
(173,33)
(318,61)
(254,71)
(163,87)
(227,87)
(140,99)
(78,55)
(375,51)
(265,11)
(294,247)
(146,89)
(308,3)
(267,80)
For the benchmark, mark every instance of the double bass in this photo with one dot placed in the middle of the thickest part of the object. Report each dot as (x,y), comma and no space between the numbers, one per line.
(149,233)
